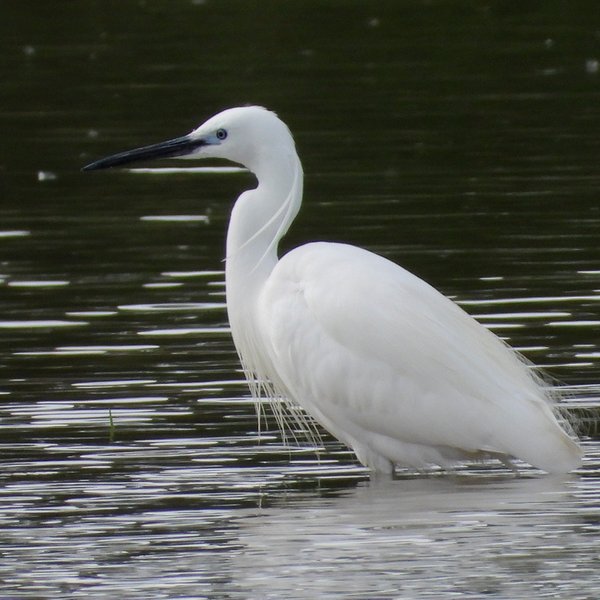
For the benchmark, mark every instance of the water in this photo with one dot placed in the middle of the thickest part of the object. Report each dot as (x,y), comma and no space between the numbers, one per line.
(457,139)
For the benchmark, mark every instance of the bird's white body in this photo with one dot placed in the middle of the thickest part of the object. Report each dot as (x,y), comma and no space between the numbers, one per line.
(377,356)
(396,370)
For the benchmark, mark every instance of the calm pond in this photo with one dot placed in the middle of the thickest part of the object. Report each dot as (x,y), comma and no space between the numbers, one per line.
(459,139)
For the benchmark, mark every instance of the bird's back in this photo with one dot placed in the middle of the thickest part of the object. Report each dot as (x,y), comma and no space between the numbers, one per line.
(396,370)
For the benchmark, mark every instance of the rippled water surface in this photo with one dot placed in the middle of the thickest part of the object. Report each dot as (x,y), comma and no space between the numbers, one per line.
(458,139)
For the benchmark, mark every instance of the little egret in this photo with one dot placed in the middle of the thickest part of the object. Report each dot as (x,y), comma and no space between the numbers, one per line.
(382,360)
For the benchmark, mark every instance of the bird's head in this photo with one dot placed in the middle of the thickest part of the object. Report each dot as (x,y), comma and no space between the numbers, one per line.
(247,135)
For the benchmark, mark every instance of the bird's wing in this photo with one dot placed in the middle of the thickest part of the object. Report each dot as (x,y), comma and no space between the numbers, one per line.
(362,343)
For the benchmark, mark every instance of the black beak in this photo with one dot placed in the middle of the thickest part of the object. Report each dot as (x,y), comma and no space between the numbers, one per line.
(169,149)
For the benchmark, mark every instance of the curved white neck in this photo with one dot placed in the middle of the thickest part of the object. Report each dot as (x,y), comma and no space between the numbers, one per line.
(259,219)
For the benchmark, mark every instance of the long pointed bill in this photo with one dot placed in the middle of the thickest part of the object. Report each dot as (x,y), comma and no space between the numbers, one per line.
(169,149)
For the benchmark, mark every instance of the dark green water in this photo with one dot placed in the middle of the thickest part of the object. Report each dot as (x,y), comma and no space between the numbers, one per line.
(459,139)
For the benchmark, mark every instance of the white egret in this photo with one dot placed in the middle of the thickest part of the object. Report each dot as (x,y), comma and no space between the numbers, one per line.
(378,357)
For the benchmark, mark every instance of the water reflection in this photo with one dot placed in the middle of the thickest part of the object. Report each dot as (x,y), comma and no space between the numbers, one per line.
(203,530)
(464,536)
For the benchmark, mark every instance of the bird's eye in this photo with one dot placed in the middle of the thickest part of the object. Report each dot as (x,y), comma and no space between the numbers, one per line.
(221,134)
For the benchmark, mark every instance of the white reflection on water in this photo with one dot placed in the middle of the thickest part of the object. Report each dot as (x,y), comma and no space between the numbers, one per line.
(121,383)
(40,324)
(176,218)
(38,284)
(14,233)
(86,350)
(187,307)
(425,538)
(188,170)
(530,300)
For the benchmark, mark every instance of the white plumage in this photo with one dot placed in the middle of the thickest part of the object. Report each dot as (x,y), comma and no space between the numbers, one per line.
(377,356)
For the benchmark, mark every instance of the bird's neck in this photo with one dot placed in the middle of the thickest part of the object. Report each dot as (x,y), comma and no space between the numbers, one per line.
(259,219)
